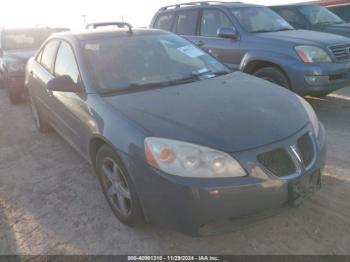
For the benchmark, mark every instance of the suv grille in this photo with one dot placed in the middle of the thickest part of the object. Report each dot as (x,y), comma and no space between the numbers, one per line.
(306,149)
(278,162)
(341,52)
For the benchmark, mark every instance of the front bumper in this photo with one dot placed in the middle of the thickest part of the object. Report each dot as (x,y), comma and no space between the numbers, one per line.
(337,73)
(198,206)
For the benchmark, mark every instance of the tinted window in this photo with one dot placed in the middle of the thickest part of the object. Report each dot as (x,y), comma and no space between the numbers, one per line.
(49,54)
(129,62)
(342,11)
(165,22)
(187,22)
(211,21)
(292,17)
(66,63)
(260,19)
(318,15)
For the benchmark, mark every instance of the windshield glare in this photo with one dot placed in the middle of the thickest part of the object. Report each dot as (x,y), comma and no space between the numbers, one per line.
(120,62)
(260,19)
(23,39)
(318,15)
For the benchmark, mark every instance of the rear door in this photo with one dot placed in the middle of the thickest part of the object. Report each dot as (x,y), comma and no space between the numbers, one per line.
(41,74)
(227,51)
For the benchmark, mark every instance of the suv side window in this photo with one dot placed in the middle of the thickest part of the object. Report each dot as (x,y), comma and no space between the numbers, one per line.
(211,21)
(165,21)
(186,23)
(66,63)
(48,55)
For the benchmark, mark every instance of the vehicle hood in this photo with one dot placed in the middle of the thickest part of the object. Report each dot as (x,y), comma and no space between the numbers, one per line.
(306,37)
(340,29)
(20,56)
(232,113)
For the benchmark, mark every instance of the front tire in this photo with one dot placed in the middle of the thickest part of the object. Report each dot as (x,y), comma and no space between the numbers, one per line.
(273,75)
(118,187)
(40,122)
(15,97)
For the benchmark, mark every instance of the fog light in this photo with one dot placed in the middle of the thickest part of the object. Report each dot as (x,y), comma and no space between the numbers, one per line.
(317,80)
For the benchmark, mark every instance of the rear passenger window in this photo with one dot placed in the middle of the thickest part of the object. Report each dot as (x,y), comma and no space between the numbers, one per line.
(48,54)
(187,22)
(211,21)
(165,22)
(66,63)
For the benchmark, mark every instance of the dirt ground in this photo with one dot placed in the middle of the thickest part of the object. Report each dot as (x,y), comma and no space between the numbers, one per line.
(51,202)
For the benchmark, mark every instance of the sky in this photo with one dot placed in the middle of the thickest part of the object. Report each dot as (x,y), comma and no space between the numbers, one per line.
(69,13)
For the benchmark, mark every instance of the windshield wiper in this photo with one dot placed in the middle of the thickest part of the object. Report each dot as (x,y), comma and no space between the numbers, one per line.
(139,86)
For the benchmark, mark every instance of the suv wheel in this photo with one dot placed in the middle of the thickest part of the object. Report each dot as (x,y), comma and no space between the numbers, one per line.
(40,122)
(118,188)
(273,75)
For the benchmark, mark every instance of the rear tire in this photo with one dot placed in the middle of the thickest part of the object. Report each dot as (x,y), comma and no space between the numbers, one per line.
(118,187)
(40,122)
(273,75)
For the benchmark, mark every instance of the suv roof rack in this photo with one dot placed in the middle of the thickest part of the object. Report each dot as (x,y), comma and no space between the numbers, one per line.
(102,24)
(200,3)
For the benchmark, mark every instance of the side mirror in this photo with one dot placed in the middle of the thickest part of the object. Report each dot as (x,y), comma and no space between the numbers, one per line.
(63,84)
(227,32)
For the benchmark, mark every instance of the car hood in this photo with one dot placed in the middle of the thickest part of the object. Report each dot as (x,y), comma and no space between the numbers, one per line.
(21,56)
(340,29)
(232,113)
(306,37)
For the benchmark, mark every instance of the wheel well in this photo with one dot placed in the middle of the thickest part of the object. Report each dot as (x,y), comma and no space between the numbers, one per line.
(256,65)
(95,145)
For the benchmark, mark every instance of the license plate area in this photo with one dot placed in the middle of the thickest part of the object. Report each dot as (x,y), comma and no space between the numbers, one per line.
(303,188)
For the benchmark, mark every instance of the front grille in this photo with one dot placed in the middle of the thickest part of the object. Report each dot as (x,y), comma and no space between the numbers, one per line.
(278,162)
(341,52)
(306,149)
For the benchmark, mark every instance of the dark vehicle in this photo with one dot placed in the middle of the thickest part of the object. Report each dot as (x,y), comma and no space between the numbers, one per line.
(258,41)
(174,136)
(108,24)
(316,18)
(16,47)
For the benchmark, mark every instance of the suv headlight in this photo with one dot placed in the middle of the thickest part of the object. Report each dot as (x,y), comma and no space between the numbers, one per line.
(189,160)
(312,54)
(312,115)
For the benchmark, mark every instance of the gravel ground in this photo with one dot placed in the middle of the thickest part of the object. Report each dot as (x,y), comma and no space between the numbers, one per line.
(51,202)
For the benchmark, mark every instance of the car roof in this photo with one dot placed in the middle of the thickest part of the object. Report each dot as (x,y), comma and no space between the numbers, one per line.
(106,33)
(196,5)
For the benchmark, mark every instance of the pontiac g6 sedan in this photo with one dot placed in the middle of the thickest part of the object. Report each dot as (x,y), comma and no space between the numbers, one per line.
(175,137)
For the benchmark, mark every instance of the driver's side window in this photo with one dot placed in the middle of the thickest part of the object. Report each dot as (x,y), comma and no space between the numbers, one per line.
(66,63)
(211,21)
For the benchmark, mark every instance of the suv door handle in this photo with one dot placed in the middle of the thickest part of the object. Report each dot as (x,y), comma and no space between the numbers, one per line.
(200,43)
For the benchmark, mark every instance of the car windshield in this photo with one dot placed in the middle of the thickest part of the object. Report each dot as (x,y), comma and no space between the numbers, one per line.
(23,39)
(120,63)
(260,19)
(318,15)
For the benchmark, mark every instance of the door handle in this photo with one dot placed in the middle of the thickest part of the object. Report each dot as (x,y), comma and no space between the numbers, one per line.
(200,43)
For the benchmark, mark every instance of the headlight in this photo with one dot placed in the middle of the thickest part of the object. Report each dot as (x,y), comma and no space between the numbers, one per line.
(189,160)
(312,54)
(312,115)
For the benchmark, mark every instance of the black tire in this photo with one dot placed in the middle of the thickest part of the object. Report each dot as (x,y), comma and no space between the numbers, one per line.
(130,212)
(274,75)
(40,121)
(15,97)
